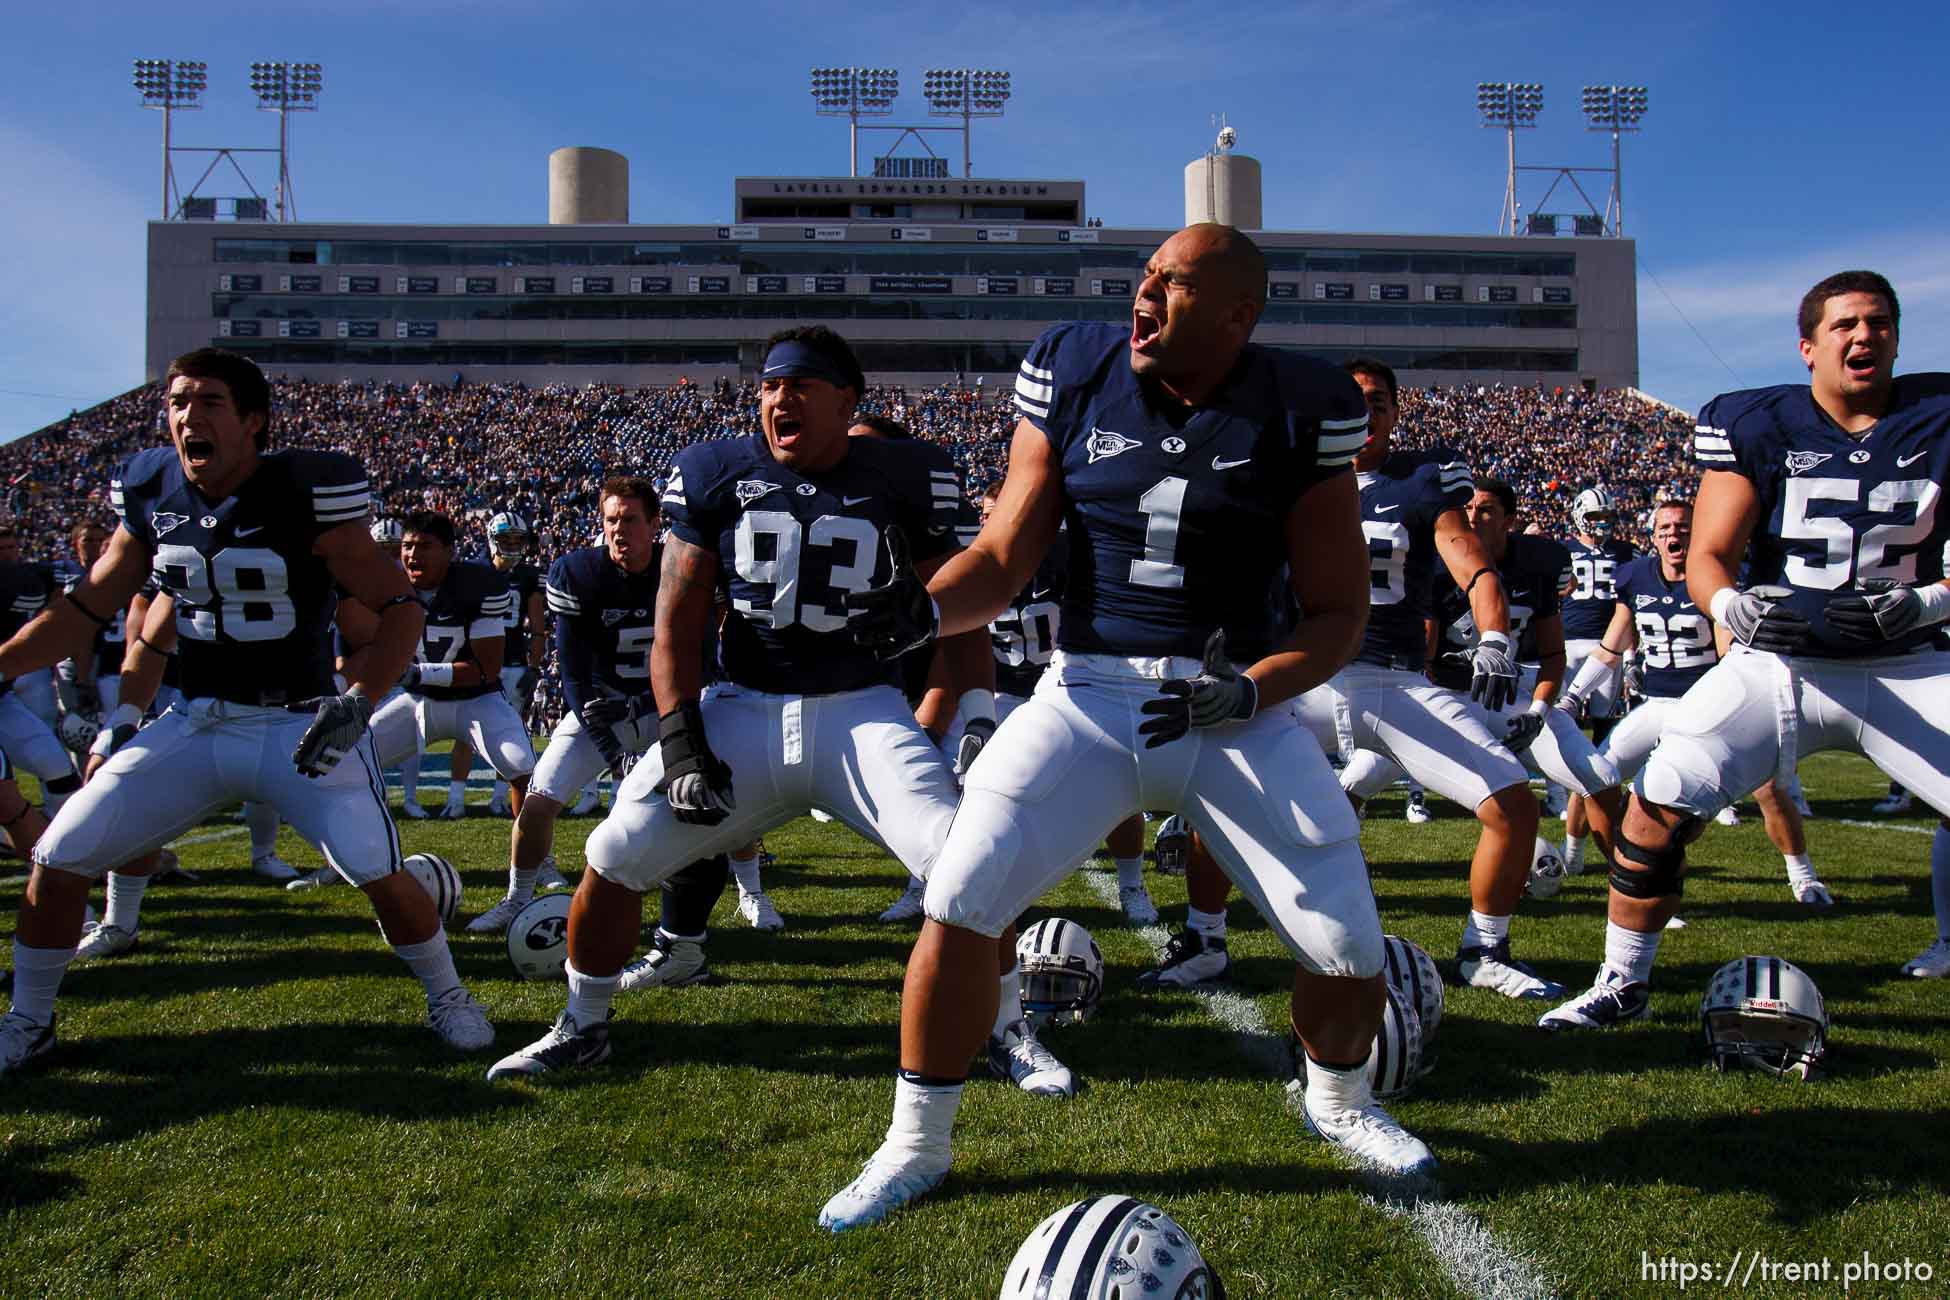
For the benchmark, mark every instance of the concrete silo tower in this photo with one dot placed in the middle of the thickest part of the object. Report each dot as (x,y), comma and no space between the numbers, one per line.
(1223,186)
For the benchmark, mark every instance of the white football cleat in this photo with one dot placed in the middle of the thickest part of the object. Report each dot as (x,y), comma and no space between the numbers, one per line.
(460,1021)
(1135,902)
(1556,799)
(908,905)
(104,941)
(564,1047)
(1894,803)
(1933,963)
(1813,894)
(1609,1001)
(21,1040)
(318,879)
(1492,967)
(757,908)
(1019,1056)
(889,1181)
(498,918)
(498,806)
(1417,812)
(586,804)
(414,809)
(1190,958)
(1728,816)
(454,809)
(1373,1138)
(273,867)
(548,876)
(670,964)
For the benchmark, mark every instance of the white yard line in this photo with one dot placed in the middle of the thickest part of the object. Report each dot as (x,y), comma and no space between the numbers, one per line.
(1885,826)
(1479,1263)
(204,838)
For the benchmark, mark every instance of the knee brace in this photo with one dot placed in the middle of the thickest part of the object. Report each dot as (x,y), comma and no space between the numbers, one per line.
(1660,869)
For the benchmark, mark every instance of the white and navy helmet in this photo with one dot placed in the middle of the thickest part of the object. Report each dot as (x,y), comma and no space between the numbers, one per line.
(509,534)
(1108,1248)
(1546,871)
(1062,970)
(1412,972)
(1766,1013)
(388,532)
(438,877)
(1594,513)
(1173,845)
(538,938)
(1395,1061)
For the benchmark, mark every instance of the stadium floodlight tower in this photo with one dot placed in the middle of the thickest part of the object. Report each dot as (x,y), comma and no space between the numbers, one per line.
(967,93)
(169,84)
(1615,109)
(1507,105)
(285,88)
(854,93)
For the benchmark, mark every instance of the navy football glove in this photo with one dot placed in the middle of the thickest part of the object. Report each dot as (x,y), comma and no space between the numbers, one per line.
(975,735)
(696,782)
(900,616)
(1218,694)
(1757,618)
(340,722)
(1492,672)
(1880,611)
(1524,728)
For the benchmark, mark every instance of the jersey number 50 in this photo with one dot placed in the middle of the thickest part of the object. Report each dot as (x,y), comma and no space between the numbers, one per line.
(238,594)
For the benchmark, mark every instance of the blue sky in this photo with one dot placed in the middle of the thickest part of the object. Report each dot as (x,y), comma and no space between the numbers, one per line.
(1782,142)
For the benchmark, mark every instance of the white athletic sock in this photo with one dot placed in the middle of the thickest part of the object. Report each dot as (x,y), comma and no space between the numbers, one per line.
(924,1120)
(1210,924)
(1337,1090)
(125,901)
(1009,1009)
(37,978)
(1940,880)
(1485,931)
(1130,872)
(262,818)
(1801,872)
(432,962)
(589,997)
(1574,849)
(746,872)
(457,791)
(500,794)
(1629,953)
(409,776)
(521,884)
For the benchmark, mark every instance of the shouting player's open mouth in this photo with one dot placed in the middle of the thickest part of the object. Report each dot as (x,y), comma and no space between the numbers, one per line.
(785,430)
(1145,328)
(198,451)
(1862,364)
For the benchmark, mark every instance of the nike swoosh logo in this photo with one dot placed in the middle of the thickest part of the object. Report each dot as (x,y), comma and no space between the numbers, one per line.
(854,501)
(246,532)
(1382,510)
(1230,464)
(1904,462)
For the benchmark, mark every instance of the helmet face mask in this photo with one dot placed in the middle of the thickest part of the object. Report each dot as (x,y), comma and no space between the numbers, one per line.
(1062,970)
(509,534)
(388,532)
(1764,1013)
(1594,513)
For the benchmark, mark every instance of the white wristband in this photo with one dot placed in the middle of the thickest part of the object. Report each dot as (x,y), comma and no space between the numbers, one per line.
(436,674)
(1538,706)
(125,715)
(1717,607)
(1935,599)
(1498,640)
(976,705)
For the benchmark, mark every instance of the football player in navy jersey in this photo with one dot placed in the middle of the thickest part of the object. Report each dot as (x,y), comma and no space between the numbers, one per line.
(250,545)
(1655,614)
(27,711)
(1188,466)
(787,522)
(87,682)
(1413,515)
(604,599)
(509,542)
(1588,602)
(1831,491)
(453,686)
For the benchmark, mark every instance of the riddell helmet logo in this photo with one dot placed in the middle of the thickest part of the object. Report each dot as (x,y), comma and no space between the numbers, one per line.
(548,933)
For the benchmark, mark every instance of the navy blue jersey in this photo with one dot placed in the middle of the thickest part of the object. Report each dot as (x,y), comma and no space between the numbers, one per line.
(1398,514)
(24,592)
(471,604)
(1177,517)
(1532,572)
(524,580)
(790,546)
(1594,590)
(1675,635)
(605,620)
(1835,509)
(254,605)
(109,640)
(1025,633)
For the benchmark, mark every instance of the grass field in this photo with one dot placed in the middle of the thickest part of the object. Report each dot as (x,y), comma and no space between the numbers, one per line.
(248,1104)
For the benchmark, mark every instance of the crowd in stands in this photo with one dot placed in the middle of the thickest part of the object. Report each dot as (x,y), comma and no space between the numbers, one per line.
(472,449)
